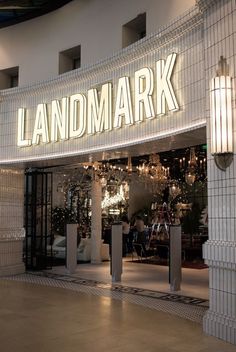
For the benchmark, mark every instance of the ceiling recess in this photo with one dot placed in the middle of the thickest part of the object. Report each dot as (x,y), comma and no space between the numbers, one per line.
(16,11)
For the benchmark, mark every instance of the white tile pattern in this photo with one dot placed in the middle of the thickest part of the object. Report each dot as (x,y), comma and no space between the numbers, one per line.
(199,37)
(220,249)
(11,221)
(183,36)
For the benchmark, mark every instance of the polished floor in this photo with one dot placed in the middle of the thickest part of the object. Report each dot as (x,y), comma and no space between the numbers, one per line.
(195,282)
(41,319)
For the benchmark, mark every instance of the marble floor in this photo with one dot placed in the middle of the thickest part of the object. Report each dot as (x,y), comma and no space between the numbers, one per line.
(45,319)
(195,282)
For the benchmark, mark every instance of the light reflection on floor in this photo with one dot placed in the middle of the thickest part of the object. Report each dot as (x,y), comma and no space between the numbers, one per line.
(195,282)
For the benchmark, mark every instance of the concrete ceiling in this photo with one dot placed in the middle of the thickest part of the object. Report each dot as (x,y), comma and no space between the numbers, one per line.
(15,11)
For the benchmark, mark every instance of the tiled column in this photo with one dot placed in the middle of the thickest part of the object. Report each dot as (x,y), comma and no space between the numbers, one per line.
(11,221)
(96,226)
(220,249)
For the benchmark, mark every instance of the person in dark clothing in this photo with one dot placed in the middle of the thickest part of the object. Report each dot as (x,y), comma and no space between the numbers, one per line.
(141,236)
(125,234)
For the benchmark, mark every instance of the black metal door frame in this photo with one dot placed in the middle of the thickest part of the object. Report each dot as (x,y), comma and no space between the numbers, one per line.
(38,224)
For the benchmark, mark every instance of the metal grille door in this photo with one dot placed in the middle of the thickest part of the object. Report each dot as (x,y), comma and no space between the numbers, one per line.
(38,210)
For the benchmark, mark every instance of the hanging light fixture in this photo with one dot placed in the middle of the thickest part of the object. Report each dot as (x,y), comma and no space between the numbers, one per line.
(110,200)
(129,167)
(174,189)
(153,174)
(221,116)
(103,181)
(190,174)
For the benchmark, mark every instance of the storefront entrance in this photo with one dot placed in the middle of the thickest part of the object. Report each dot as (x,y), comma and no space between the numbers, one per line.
(162,188)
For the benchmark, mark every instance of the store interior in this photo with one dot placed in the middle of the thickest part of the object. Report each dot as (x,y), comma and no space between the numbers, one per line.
(163,189)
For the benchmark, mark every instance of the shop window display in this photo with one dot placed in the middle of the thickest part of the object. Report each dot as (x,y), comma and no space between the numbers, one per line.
(174,181)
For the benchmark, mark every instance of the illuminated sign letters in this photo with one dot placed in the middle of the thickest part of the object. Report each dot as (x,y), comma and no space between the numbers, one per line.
(73,116)
(77,115)
(123,107)
(100,115)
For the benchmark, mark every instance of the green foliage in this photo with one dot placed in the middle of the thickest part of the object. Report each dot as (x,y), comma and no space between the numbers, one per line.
(61,217)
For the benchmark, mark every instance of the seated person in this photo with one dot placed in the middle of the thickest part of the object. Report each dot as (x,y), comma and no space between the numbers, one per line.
(141,235)
(141,239)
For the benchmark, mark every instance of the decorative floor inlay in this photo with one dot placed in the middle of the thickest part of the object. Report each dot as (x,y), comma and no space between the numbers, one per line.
(190,308)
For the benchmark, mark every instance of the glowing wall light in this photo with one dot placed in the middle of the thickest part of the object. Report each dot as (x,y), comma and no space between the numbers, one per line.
(221,116)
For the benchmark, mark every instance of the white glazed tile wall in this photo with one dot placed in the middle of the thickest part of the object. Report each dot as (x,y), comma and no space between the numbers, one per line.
(183,36)
(11,221)
(199,49)
(220,249)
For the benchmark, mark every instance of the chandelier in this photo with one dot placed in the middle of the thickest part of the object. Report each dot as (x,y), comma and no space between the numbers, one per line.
(153,174)
(110,200)
(129,167)
(190,174)
(102,171)
(174,189)
(107,172)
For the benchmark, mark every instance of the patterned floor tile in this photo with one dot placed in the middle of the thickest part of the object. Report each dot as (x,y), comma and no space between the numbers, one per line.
(190,308)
